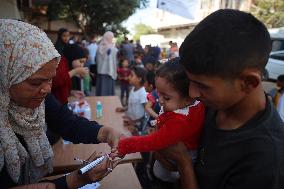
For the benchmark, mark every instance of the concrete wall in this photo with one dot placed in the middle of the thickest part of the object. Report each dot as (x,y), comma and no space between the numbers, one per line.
(176,33)
(8,9)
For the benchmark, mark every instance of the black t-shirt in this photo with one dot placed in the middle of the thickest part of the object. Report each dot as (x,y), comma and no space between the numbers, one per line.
(250,157)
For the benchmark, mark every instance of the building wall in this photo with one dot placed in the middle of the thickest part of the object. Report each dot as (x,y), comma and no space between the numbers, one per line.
(51,27)
(176,33)
(208,6)
(8,9)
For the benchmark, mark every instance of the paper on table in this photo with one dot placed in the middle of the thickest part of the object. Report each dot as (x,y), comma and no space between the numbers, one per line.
(94,185)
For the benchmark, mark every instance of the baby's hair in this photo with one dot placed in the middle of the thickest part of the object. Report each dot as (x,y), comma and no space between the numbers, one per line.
(280,81)
(150,78)
(175,74)
(140,72)
(280,78)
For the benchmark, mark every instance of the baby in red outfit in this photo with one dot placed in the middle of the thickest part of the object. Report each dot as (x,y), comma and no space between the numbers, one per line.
(180,119)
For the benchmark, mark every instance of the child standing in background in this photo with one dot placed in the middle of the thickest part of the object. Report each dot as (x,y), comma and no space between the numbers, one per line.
(276,92)
(180,119)
(278,97)
(138,60)
(135,112)
(123,74)
(152,107)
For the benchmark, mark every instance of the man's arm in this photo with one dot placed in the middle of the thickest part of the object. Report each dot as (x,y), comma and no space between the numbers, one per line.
(77,129)
(179,154)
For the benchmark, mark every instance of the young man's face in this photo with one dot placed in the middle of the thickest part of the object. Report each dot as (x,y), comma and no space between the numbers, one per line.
(215,92)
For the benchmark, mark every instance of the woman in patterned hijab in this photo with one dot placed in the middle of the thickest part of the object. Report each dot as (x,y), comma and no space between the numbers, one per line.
(28,63)
(25,49)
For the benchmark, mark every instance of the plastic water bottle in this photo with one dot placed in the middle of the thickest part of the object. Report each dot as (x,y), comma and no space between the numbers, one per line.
(99,109)
(87,112)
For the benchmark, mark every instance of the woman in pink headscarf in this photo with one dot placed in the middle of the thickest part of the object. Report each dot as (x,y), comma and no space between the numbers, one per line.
(106,60)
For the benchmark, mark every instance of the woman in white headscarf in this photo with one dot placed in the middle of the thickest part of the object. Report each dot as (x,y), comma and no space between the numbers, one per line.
(28,63)
(106,60)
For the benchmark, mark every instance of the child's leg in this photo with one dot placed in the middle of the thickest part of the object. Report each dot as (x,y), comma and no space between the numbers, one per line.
(164,174)
(121,92)
(127,90)
(170,176)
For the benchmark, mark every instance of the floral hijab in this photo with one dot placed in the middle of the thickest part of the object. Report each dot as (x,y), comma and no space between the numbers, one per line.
(24,49)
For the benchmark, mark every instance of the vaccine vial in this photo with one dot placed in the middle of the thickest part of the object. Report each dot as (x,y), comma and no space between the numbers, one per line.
(99,109)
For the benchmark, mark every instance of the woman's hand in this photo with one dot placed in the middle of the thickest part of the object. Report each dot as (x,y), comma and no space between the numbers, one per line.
(81,71)
(114,153)
(74,180)
(37,186)
(110,136)
(77,94)
(114,137)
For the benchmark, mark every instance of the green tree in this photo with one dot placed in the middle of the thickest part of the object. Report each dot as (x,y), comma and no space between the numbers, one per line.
(142,29)
(94,16)
(270,12)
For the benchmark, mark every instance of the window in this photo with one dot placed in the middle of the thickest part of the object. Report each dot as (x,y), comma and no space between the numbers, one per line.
(278,56)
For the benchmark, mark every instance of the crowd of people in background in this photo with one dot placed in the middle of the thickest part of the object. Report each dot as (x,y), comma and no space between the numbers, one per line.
(203,111)
(103,75)
(101,63)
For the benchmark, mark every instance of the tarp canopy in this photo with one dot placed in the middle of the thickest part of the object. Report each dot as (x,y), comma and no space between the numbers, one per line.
(184,8)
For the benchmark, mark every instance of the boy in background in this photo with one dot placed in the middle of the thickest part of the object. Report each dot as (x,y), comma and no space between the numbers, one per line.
(123,76)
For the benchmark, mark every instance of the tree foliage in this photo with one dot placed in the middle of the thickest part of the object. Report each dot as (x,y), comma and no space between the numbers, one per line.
(142,29)
(95,16)
(270,12)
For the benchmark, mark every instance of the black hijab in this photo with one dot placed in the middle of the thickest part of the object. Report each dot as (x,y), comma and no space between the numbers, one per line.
(60,45)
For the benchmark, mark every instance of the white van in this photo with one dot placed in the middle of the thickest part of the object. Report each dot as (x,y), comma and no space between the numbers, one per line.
(277,37)
(275,64)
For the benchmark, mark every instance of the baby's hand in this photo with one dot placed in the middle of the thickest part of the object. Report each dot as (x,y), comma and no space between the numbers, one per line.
(114,153)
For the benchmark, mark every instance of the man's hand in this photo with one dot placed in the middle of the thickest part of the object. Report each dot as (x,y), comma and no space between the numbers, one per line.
(175,152)
(179,154)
